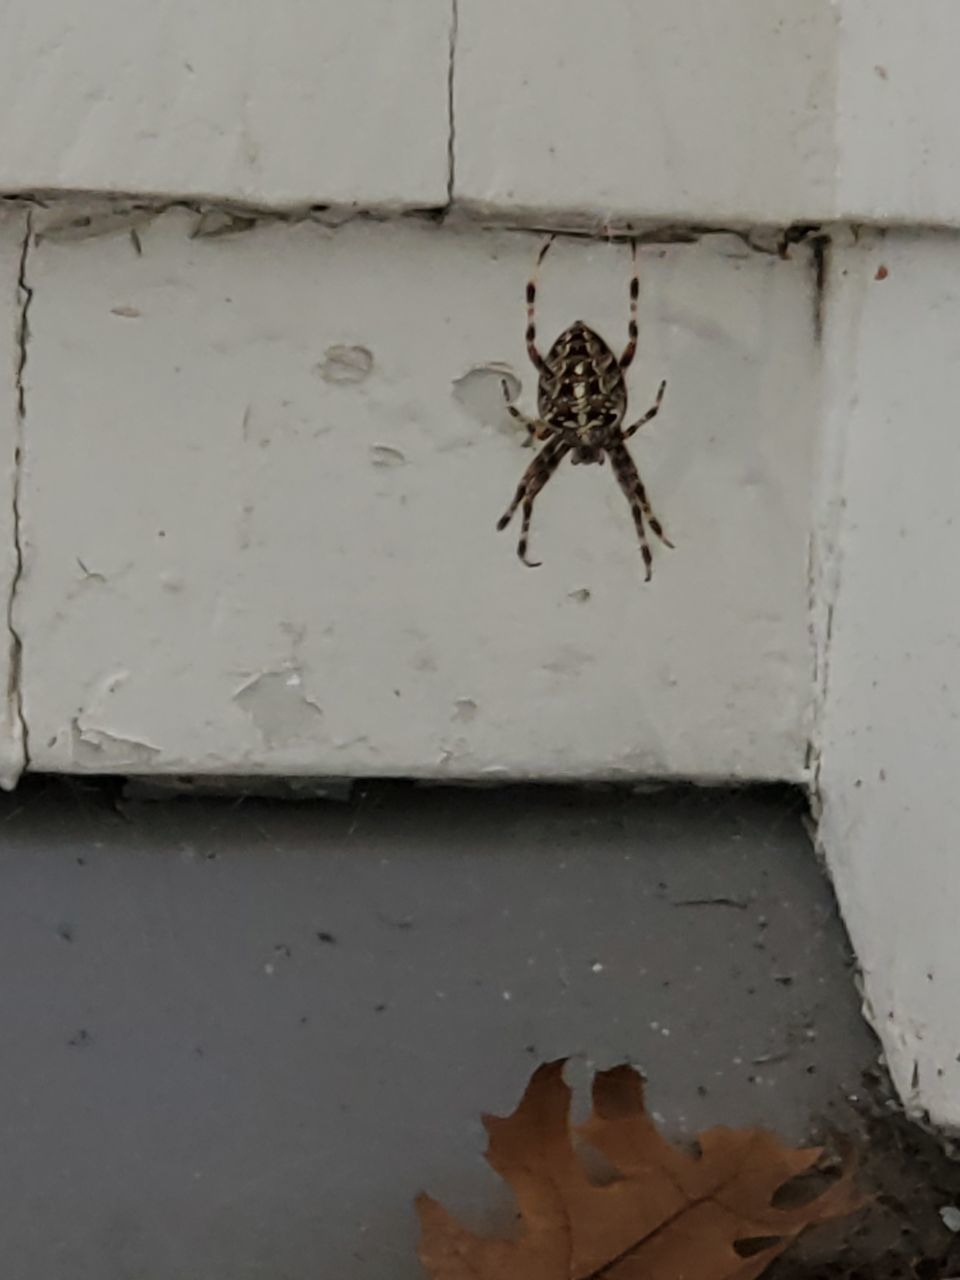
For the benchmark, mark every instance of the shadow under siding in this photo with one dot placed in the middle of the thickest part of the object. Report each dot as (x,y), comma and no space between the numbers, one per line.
(240,1035)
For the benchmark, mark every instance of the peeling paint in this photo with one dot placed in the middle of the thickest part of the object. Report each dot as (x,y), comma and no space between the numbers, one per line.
(479,392)
(101,218)
(90,575)
(104,750)
(384,455)
(345,366)
(213,223)
(465,710)
(278,707)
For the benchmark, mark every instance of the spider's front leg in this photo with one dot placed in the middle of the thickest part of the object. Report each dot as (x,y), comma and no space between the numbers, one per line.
(630,350)
(531,333)
(651,413)
(534,478)
(535,428)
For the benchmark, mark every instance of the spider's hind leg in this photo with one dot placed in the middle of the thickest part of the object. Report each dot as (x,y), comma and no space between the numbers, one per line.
(534,478)
(629,480)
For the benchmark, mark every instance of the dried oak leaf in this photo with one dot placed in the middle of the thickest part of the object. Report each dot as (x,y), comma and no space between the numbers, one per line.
(667,1215)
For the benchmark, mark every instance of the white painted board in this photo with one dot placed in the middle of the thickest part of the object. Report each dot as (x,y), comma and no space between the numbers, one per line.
(298,102)
(706,111)
(261,486)
(890,740)
(896,112)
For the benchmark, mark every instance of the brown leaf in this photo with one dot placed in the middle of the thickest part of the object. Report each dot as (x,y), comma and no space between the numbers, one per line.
(450,1252)
(667,1214)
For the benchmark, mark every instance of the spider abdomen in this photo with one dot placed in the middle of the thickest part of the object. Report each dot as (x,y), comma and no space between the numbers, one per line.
(583,394)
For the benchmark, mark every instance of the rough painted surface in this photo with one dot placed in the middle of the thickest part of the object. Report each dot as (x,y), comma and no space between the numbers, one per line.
(301,102)
(713,112)
(891,723)
(896,111)
(711,109)
(240,1039)
(261,484)
(13,228)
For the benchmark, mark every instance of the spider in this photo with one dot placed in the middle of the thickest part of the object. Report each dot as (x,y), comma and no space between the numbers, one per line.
(582,401)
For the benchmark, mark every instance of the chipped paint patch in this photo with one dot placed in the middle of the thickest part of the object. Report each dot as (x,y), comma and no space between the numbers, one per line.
(385,455)
(101,749)
(278,707)
(344,365)
(479,392)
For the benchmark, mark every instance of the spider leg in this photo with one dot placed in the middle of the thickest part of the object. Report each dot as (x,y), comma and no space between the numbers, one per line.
(630,350)
(651,413)
(629,480)
(535,428)
(531,335)
(534,478)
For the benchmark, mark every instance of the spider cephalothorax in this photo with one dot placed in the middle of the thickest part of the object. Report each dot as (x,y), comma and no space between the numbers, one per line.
(582,401)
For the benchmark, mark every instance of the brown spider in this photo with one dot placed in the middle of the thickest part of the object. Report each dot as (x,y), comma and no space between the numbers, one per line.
(582,401)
